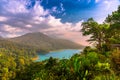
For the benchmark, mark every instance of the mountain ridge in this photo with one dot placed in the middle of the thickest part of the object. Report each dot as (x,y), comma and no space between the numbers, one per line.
(44,42)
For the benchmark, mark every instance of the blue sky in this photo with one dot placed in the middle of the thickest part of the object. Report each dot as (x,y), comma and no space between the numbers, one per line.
(56,18)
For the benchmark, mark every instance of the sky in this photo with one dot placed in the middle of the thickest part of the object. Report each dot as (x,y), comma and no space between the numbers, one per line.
(56,18)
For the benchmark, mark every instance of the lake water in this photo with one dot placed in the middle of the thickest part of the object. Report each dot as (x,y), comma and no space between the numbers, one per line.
(67,53)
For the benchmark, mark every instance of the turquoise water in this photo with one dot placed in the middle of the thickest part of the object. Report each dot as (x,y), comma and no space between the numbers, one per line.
(67,53)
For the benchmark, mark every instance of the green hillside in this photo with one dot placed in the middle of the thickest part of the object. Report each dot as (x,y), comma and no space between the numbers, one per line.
(44,42)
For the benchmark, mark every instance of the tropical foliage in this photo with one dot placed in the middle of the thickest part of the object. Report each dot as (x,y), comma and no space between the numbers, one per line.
(13,58)
(102,62)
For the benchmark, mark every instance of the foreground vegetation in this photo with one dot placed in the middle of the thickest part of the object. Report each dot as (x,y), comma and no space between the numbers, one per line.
(14,58)
(86,66)
(102,62)
(89,65)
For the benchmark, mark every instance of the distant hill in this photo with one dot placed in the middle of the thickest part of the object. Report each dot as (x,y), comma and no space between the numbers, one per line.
(13,48)
(1,37)
(44,42)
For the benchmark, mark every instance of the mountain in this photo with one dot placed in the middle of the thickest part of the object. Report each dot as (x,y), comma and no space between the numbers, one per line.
(44,42)
(1,37)
(14,49)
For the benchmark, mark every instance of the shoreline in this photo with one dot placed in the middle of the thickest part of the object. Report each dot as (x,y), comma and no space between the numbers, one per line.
(63,49)
(35,58)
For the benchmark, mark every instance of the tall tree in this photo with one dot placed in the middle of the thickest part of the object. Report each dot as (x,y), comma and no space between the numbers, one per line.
(103,34)
(114,21)
(96,31)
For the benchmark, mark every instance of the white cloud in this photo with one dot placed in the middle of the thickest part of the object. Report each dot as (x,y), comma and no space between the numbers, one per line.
(62,8)
(23,21)
(2,18)
(38,10)
(28,26)
(54,9)
(16,6)
(11,29)
(65,30)
(108,4)
(12,35)
(97,1)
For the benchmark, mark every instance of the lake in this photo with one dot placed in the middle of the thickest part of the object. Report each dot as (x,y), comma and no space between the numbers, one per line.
(66,54)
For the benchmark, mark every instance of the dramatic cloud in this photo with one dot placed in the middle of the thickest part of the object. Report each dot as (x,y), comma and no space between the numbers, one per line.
(21,20)
(52,17)
(77,10)
(65,30)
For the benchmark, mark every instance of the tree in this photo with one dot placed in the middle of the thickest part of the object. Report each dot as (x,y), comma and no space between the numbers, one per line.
(114,21)
(98,32)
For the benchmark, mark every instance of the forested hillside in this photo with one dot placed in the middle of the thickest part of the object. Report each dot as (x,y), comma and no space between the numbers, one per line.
(45,43)
(14,58)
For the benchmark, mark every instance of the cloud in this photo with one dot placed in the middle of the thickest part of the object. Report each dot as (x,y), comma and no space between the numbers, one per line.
(2,18)
(20,20)
(97,1)
(14,9)
(16,19)
(64,30)
(11,29)
(104,8)
(62,8)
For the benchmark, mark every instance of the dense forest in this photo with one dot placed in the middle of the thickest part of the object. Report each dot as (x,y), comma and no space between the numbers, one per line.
(101,62)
